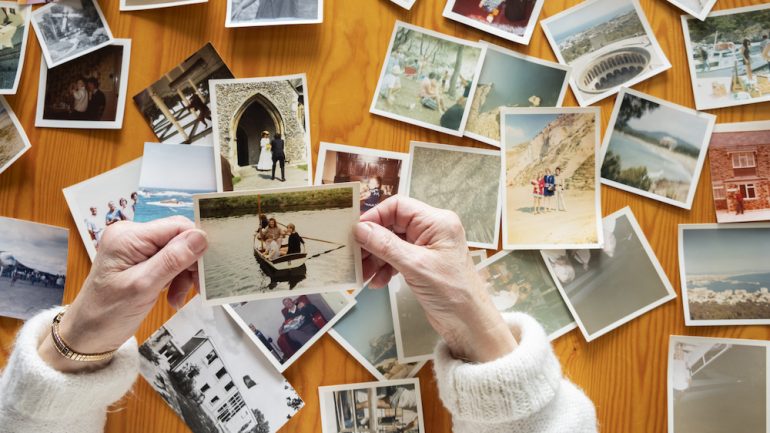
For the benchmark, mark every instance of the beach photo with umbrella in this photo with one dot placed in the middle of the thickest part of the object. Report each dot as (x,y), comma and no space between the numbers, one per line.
(279,242)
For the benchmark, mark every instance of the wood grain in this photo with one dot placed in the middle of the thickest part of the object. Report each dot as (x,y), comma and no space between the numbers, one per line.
(623,372)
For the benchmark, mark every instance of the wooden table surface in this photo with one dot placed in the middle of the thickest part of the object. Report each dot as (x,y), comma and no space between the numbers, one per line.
(623,372)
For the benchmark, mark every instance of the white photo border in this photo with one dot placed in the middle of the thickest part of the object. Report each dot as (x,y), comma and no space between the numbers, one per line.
(19,129)
(229,23)
(701,14)
(402,285)
(406,4)
(124,7)
(524,39)
(22,54)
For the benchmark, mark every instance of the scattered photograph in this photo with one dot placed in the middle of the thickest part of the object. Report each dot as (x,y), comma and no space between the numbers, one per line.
(251,13)
(13,44)
(68,29)
(465,180)
(514,20)
(697,8)
(177,106)
(519,281)
(739,156)
(655,148)
(170,175)
(367,333)
(262,132)
(725,273)
(13,139)
(211,374)
(393,406)
(478,256)
(33,267)
(102,201)
(608,43)
(279,242)
(378,171)
(283,329)
(608,287)
(427,78)
(538,83)
(717,385)
(88,92)
(406,4)
(137,5)
(729,57)
(551,178)
(415,337)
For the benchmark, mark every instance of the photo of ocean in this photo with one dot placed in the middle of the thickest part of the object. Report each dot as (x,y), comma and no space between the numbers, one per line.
(157,203)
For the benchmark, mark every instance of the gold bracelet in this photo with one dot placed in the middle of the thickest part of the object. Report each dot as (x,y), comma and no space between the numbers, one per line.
(64,350)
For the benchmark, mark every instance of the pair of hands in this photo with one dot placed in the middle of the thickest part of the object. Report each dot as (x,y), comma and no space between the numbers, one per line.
(136,262)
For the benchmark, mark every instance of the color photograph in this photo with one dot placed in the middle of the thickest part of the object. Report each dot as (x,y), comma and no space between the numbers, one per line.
(379,172)
(68,29)
(608,43)
(729,57)
(250,13)
(367,333)
(33,267)
(14,31)
(279,242)
(717,385)
(103,200)
(138,5)
(427,78)
(697,8)
(725,273)
(262,132)
(552,194)
(655,148)
(177,106)
(213,377)
(464,180)
(13,139)
(739,157)
(284,329)
(514,20)
(88,92)
(415,337)
(519,281)
(608,287)
(170,175)
(393,406)
(538,83)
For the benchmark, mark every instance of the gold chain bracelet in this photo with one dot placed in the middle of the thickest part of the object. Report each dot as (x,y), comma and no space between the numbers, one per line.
(64,350)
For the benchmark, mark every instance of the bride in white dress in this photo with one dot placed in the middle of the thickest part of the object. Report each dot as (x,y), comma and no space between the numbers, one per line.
(265,155)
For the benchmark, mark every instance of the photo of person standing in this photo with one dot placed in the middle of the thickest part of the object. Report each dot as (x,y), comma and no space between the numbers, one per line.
(276,146)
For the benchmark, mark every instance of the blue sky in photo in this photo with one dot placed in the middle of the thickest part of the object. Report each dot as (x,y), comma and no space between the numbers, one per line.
(521,128)
(178,167)
(678,123)
(727,251)
(587,17)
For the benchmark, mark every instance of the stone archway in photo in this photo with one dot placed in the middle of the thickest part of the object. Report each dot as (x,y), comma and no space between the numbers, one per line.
(255,115)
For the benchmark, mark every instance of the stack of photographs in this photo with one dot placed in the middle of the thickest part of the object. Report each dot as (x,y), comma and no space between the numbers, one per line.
(514,20)
(13,44)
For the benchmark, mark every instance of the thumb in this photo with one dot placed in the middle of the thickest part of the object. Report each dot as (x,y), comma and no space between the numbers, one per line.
(385,245)
(174,258)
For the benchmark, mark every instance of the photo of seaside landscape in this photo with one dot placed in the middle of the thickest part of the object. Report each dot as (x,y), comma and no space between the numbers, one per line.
(726,273)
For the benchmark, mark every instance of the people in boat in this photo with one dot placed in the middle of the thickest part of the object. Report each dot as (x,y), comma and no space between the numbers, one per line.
(295,240)
(272,248)
(272,229)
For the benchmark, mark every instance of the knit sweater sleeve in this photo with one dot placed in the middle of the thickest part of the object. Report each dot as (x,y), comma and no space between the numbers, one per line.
(36,398)
(521,392)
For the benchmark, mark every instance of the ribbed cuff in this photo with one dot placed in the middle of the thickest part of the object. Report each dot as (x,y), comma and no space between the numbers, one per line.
(33,389)
(508,389)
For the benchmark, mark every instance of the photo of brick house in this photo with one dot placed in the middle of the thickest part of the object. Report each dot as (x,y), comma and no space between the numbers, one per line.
(739,156)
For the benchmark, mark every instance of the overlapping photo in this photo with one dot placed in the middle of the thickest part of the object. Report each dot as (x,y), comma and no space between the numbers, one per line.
(14,31)
(697,8)
(514,20)
(13,139)
(415,337)
(251,13)
(138,5)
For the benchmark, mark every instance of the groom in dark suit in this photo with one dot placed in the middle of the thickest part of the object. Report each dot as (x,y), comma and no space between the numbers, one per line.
(276,146)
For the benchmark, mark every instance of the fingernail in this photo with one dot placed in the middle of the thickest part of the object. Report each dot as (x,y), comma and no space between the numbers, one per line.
(197,241)
(361,232)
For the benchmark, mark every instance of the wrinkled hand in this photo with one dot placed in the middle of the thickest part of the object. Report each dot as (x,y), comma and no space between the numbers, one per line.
(135,263)
(428,247)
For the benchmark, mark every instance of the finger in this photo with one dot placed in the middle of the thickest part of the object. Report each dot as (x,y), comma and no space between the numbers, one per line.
(385,245)
(174,258)
(154,235)
(396,212)
(381,278)
(371,265)
(180,286)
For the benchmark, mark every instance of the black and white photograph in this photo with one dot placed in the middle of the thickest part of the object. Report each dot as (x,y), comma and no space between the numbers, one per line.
(655,148)
(284,329)
(415,337)
(177,106)
(278,242)
(213,377)
(68,29)
(103,200)
(262,132)
(697,8)
(608,287)
(717,385)
(138,5)
(514,20)
(88,92)
(538,83)
(465,180)
(393,406)
(13,139)
(427,78)
(14,31)
(33,267)
(381,173)
(367,333)
(725,273)
(608,44)
(519,281)
(252,13)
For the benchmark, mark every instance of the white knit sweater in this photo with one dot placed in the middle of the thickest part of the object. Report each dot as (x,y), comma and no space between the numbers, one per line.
(522,392)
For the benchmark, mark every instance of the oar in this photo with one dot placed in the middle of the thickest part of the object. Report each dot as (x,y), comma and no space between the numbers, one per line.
(325,252)
(314,239)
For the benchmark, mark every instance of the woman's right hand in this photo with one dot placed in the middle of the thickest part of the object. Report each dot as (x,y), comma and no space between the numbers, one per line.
(428,247)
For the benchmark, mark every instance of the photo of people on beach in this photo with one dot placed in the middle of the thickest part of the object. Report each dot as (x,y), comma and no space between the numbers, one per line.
(68,29)
(427,79)
(14,30)
(279,242)
(514,20)
(729,56)
(655,148)
(551,178)
(13,139)
(248,13)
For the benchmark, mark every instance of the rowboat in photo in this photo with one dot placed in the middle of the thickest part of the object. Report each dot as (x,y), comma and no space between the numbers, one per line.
(283,263)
